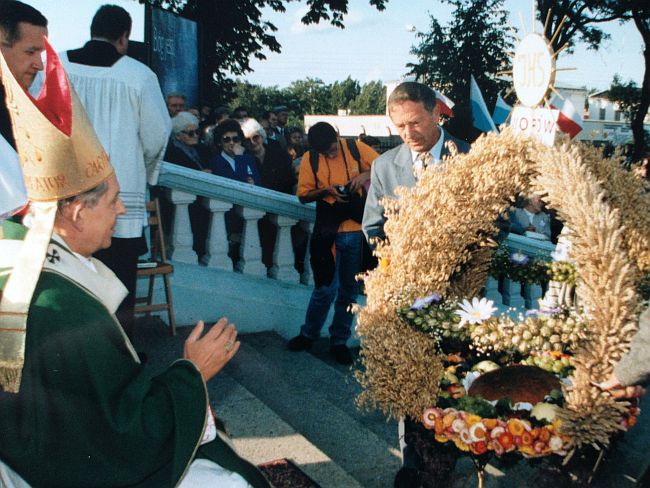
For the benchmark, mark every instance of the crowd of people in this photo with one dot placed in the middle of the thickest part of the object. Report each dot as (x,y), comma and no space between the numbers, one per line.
(76,406)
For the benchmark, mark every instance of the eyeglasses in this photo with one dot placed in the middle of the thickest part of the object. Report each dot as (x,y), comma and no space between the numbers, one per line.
(254,138)
(191,133)
(227,139)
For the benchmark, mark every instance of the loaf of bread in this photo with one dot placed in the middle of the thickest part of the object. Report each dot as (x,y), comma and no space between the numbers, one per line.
(519,383)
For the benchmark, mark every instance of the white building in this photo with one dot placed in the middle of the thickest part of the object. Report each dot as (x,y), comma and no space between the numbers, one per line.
(603,120)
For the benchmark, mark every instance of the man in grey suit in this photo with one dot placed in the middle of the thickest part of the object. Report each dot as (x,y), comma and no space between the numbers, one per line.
(413,109)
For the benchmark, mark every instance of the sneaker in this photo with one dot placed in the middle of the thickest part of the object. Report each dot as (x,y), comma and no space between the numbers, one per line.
(341,354)
(299,343)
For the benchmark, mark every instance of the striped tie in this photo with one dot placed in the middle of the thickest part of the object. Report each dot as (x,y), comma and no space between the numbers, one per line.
(426,159)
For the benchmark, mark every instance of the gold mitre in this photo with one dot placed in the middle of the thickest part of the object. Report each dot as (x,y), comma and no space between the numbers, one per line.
(60,157)
(59,151)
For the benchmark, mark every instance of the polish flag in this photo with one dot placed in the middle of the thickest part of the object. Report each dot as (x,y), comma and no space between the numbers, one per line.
(569,119)
(446,105)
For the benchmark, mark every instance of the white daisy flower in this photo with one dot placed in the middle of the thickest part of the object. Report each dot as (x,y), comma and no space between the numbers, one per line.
(475,312)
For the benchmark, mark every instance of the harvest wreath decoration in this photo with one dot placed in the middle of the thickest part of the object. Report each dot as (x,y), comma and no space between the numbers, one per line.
(433,350)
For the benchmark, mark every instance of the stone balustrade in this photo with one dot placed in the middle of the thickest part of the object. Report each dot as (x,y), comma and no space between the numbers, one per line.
(250,204)
(285,212)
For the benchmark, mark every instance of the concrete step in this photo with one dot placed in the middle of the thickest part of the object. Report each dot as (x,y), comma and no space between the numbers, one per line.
(335,382)
(260,435)
(257,432)
(314,398)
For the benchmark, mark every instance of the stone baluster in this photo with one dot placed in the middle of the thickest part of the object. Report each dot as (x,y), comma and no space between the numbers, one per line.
(182,238)
(512,294)
(251,251)
(492,290)
(217,252)
(532,293)
(283,257)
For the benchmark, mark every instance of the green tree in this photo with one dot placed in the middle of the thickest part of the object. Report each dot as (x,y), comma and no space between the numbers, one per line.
(475,42)
(233,31)
(343,92)
(256,98)
(626,95)
(582,15)
(371,100)
(312,96)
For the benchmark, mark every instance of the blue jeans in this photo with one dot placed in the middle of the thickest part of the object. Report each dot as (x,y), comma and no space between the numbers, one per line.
(348,265)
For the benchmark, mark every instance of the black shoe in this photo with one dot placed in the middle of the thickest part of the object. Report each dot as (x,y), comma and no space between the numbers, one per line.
(300,343)
(341,354)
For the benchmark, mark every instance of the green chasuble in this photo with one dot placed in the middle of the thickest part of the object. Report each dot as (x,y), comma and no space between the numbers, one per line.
(86,414)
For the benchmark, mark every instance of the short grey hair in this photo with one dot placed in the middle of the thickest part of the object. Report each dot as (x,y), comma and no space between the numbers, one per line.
(412,91)
(90,198)
(250,127)
(181,120)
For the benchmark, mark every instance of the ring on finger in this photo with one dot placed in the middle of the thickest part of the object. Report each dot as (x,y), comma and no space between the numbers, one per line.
(229,345)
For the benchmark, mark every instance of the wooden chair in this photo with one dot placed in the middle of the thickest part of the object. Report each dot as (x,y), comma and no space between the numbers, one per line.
(157,265)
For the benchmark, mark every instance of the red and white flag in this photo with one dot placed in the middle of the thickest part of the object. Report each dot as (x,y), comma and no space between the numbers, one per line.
(569,120)
(446,105)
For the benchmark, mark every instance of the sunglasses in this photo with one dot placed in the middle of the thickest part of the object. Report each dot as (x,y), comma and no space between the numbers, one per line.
(227,139)
(191,133)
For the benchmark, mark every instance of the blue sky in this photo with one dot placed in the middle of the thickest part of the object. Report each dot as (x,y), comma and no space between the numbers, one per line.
(373,46)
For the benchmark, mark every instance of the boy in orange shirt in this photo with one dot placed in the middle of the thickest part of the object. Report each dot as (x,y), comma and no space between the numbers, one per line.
(334,176)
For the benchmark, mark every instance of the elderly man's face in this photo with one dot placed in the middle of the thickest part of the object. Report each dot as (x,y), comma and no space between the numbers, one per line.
(99,221)
(417,126)
(175,105)
(24,56)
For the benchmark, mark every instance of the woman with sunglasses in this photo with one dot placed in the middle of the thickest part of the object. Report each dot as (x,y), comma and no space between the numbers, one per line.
(185,150)
(276,173)
(230,161)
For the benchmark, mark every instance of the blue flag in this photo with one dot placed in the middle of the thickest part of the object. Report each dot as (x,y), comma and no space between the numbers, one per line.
(501,111)
(480,115)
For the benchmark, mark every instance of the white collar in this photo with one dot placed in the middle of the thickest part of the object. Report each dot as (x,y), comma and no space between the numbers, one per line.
(84,260)
(230,160)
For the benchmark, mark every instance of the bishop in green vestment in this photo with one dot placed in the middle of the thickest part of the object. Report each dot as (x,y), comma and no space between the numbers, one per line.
(76,407)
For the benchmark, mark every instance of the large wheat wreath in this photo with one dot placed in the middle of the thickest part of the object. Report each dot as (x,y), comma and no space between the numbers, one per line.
(440,240)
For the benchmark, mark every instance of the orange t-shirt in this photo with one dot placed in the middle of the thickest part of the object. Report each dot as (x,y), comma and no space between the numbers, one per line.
(336,171)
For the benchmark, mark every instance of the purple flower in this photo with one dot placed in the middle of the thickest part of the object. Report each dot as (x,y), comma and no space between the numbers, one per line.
(420,303)
(532,312)
(550,311)
(519,258)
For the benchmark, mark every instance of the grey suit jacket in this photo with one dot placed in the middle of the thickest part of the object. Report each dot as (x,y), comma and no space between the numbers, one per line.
(392,169)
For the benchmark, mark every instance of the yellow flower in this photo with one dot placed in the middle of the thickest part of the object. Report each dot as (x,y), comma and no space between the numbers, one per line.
(461,445)
(472,419)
